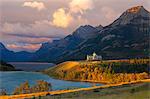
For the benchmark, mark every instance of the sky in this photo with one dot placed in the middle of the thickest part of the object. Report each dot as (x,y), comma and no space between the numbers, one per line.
(26,24)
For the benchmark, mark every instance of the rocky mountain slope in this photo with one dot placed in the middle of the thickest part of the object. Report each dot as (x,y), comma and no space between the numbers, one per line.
(53,50)
(126,37)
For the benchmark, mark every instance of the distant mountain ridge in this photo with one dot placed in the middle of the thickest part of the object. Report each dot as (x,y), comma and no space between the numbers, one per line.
(57,48)
(126,37)
(7,55)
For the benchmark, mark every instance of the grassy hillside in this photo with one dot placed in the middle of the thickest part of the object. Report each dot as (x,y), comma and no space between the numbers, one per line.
(112,71)
(65,66)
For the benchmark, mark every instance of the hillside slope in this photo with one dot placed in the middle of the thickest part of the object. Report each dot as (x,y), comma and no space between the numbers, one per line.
(65,66)
(127,37)
(101,71)
(53,50)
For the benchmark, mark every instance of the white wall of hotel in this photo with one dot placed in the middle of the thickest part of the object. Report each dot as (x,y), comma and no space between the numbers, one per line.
(94,56)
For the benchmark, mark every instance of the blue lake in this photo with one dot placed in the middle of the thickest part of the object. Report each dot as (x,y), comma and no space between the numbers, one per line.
(12,79)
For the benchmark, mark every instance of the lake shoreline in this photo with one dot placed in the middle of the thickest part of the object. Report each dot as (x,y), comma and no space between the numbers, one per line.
(33,77)
(58,92)
(88,81)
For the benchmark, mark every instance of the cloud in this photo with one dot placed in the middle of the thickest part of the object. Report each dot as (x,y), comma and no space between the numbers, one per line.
(109,13)
(7,28)
(11,28)
(80,5)
(36,33)
(28,40)
(37,5)
(80,20)
(37,29)
(27,47)
(32,36)
(61,18)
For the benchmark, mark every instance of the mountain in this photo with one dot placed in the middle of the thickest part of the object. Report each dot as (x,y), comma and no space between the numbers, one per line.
(126,37)
(134,13)
(7,55)
(86,32)
(53,50)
